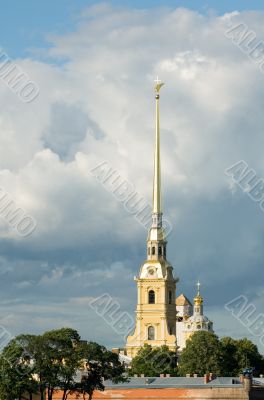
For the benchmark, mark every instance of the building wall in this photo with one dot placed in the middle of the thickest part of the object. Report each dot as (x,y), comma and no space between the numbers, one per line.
(181,340)
(209,393)
(175,394)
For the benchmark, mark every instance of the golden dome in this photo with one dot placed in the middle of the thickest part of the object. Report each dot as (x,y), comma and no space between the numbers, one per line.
(198,300)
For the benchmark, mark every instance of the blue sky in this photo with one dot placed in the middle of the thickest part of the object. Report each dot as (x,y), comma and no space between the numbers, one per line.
(26,25)
(95,72)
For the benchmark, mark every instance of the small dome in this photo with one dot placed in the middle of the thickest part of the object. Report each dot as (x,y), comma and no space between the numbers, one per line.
(198,300)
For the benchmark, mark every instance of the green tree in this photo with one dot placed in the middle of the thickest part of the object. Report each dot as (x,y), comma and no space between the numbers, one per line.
(100,364)
(239,354)
(34,346)
(63,359)
(46,363)
(229,349)
(202,354)
(16,373)
(55,357)
(154,361)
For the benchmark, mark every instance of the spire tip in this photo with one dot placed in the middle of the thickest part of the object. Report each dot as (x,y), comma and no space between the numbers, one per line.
(158,84)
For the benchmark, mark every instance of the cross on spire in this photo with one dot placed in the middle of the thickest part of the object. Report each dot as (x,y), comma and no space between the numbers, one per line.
(158,84)
(157,80)
(198,287)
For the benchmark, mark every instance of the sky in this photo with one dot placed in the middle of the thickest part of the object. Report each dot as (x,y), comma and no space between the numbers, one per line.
(92,67)
(27,25)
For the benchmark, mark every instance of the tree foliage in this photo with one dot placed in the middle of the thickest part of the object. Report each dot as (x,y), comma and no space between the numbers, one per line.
(47,363)
(101,364)
(154,361)
(205,353)
(16,373)
(201,355)
(240,354)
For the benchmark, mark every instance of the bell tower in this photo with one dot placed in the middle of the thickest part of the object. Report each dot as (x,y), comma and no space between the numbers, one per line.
(156,285)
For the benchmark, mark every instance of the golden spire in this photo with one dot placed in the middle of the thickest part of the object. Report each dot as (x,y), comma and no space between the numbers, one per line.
(156,243)
(157,179)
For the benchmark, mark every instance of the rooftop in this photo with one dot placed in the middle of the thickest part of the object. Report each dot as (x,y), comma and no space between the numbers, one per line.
(173,382)
(182,300)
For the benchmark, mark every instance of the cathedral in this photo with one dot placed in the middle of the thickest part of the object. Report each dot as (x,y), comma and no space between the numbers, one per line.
(161,319)
(190,319)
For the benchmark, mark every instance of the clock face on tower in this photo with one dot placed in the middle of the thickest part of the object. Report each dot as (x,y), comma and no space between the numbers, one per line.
(152,272)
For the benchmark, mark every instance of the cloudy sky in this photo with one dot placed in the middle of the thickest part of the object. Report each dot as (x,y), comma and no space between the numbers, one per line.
(94,65)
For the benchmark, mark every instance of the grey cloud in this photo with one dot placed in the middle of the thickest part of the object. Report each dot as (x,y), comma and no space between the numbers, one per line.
(99,107)
(67,129)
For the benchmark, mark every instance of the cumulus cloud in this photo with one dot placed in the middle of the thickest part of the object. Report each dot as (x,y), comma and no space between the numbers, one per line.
(96,104)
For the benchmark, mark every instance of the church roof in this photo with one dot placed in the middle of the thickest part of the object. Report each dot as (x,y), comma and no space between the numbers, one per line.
(182,300)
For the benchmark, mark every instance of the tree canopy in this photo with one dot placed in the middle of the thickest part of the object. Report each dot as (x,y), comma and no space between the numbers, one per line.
(201,355)
(16,373)
(205,353)
(239,354)
(154,361)
(102,364)
(42,364)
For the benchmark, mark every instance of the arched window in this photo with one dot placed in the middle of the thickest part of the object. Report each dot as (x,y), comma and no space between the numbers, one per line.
(170,296)
(160,251)
(151,297)
(153,251)
(151,333)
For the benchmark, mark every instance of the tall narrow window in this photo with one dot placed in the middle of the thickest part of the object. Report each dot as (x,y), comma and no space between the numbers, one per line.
(160,251)
(153,251)
(170,296)
(151,297)
(151,333)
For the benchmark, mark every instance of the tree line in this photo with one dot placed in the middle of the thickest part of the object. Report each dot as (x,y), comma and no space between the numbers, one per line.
(41,364)
(204,353)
